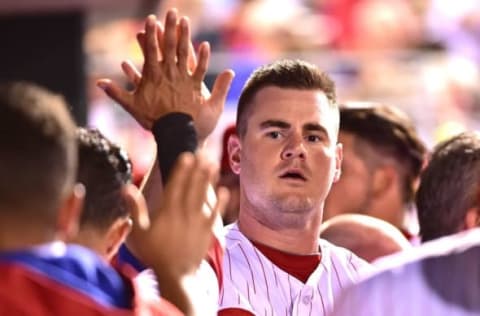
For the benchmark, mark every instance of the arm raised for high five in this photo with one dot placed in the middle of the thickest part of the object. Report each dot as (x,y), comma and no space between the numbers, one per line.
(180,231)
(174,45)
(167,84)
(171,82)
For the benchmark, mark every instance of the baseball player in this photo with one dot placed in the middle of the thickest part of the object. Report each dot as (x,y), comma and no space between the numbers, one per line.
(287,156)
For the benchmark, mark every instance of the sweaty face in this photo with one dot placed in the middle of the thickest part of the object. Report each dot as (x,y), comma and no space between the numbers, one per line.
(352,192)
(288,158)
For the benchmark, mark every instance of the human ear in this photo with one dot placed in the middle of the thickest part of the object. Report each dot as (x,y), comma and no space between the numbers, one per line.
(472,218)
(384,179)
(234,153)
(136,205)
(338,162)
(69,213)
(116,235)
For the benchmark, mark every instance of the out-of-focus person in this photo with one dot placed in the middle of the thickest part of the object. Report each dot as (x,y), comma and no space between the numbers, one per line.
(448,196)
(382,160)
(438,278)
(368,237)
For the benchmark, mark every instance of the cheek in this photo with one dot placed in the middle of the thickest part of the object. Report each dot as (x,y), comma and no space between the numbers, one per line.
(259,157)
(251,166)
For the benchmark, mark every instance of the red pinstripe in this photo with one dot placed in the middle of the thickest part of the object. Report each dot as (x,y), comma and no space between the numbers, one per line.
(290,288)
(351,263)
(249,267)
(336,273)
(264,275)
(323,303)
(275,274)
(222,295)
(311,304)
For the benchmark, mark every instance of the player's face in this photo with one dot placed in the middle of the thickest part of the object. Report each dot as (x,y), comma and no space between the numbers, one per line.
(352,193)
(288,157)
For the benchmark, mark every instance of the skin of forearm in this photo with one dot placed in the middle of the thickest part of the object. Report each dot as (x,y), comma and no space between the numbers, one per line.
(174,289)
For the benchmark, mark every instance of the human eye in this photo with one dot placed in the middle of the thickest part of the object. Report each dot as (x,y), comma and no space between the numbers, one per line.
(314,138)
(274,134)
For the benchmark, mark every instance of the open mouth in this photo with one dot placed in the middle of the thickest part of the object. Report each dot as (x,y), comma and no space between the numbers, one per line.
(293,175)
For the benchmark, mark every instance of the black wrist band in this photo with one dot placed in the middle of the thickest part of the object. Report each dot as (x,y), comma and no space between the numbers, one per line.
(174,134)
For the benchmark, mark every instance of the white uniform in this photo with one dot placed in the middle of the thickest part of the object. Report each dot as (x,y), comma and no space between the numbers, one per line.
(252,282)
(439,278)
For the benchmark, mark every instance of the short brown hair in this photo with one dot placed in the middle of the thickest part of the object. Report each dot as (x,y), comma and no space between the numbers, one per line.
(38,156)
(449,186)
(103,168)
(390,133)
(285,73)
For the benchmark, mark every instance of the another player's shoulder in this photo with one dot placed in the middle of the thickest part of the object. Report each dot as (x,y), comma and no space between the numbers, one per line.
(339,253)
(55,272)
(342,257)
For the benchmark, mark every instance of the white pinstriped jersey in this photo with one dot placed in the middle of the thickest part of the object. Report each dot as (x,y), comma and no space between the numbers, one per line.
(252,282)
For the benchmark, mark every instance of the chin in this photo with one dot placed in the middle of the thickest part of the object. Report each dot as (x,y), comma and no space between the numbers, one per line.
(294,204)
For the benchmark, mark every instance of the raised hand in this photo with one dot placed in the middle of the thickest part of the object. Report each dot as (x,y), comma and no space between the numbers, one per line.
(181,230)
(170,80)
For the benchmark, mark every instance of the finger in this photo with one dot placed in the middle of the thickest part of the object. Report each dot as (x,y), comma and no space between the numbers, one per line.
(192,58)
(177,186)
(118,94)
(151,47)
(141,40)
(183,44)
(131,72)
(170,39)
(202,65)
(199,181)
(221,88)
(160,33)
(223,196)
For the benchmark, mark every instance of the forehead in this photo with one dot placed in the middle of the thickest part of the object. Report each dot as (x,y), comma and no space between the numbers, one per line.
(294,106)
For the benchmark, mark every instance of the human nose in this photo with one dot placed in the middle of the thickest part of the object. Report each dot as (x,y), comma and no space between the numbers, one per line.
(295,148)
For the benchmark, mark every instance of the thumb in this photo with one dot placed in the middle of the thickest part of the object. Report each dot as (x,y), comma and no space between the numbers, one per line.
(117,93)
(223,196)
(221,88)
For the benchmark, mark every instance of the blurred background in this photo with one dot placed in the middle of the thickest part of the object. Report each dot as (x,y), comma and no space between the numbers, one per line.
(420,55)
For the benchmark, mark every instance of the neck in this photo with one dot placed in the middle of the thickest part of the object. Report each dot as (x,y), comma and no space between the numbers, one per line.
(93,240)
(391,210)
(300,241)
(23,237)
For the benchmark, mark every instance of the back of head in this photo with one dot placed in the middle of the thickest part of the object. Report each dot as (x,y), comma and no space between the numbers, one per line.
(368,237)
(449,186)
(382,132)
(38,152)
(104,168)
(293,74)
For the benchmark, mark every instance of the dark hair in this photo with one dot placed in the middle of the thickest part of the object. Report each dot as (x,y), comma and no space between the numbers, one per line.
(38,154)
(294,74)
(449,186)
(104,168)
(390,133)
